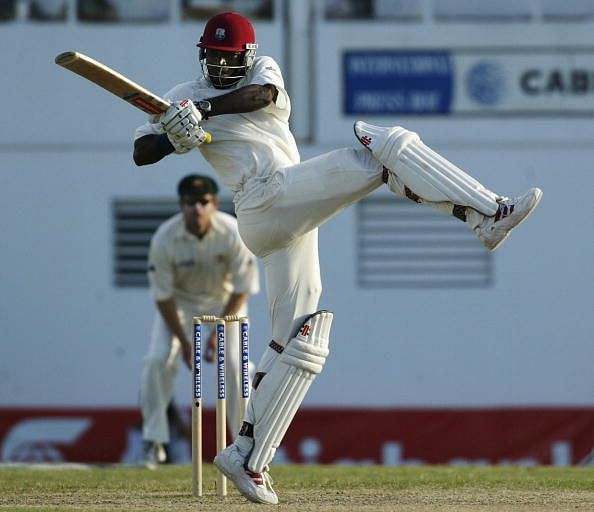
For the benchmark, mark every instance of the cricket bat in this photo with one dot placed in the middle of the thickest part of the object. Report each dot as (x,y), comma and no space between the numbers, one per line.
(114,82)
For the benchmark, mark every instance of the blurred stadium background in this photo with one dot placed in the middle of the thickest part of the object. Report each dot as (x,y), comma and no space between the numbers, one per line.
(442,353)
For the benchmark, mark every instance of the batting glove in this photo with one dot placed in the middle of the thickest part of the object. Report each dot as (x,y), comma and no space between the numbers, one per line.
(182,112)
(181,122)
(188,139)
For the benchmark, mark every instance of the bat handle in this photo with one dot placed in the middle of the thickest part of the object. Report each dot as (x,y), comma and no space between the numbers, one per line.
(207,137)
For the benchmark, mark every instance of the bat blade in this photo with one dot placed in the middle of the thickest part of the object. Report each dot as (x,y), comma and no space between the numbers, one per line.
(113,82)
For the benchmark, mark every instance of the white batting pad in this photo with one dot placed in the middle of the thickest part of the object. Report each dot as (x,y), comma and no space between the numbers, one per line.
(422,170)
(282,390)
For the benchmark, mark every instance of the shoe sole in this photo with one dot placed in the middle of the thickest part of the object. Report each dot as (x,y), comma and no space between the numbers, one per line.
(526,215)
(230,477)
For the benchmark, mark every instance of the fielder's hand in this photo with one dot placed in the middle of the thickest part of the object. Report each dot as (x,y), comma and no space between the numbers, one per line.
(187,354)
(181,122)
(211,347)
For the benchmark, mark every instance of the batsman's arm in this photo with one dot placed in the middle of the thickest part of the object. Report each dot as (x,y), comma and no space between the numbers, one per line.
(246,99)
(151,148)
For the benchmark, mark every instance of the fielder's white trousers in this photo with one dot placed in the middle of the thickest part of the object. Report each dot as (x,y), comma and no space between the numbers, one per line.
(278,216)
(160,368)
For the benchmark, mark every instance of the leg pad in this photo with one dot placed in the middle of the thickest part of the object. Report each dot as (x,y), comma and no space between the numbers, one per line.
(281,391)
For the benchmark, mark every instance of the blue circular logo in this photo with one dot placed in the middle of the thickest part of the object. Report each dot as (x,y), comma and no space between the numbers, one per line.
(485,82)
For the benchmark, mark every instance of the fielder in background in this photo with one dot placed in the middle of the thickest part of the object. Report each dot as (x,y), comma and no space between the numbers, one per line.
(197,265)
(280,202)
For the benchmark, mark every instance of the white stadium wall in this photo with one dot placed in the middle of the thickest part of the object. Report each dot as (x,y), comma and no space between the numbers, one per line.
(71,339)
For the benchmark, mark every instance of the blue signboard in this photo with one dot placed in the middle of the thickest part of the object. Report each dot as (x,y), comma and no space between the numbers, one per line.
(398,82)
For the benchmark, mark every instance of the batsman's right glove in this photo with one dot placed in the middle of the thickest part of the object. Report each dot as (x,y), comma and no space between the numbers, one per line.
(181,122)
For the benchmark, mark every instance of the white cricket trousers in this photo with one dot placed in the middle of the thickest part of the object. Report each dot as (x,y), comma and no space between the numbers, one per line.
(160,369)
(278,216)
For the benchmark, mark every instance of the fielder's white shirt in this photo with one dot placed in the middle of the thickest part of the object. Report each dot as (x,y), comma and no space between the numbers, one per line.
(261,141)
(202,271)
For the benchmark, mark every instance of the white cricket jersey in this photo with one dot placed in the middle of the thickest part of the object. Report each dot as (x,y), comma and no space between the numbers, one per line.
(243,145)
(203,271)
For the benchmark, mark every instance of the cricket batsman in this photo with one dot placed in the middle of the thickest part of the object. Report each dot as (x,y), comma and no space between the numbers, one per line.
(280,202)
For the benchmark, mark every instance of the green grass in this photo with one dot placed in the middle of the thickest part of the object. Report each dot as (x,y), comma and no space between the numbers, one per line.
(304,488)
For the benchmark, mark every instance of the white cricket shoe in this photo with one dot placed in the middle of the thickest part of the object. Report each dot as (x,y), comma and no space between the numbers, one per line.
(256,487)
(153,455)
(493,231)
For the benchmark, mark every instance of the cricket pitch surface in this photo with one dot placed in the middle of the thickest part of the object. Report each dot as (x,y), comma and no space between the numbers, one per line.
(303,488)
